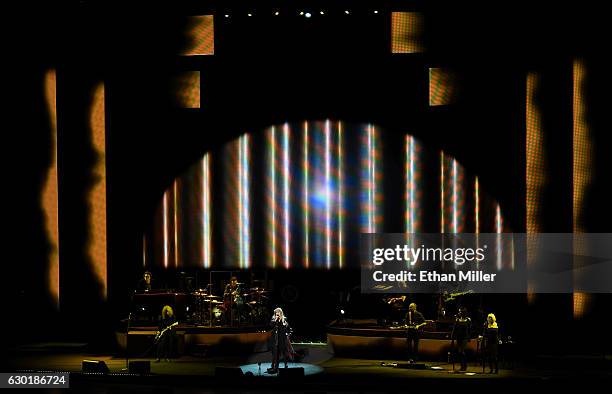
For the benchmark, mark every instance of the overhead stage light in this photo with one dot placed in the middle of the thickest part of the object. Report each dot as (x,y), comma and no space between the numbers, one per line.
(347,12)
(308,15)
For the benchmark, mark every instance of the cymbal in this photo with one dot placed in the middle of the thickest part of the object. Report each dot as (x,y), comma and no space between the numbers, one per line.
(212,296)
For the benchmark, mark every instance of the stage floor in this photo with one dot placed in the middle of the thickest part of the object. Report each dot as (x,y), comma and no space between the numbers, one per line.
(323,372)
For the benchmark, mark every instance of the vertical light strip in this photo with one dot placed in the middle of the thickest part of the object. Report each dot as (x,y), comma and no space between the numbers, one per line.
(97,194)
(477,215)
(243,202)
(49,195)
(535,170)
(286,186)
(409,170)
(246,206)
(582,165)
(175,222)
(273,208)
(534,144)
(370,180)
(582,148)
(165,225)
(455,197)
(240,207)
(340,199)
(144,250)
(477,206)
(413,227)
(206,212)
(442,192)
(328,193)
(499,229)
(306,203)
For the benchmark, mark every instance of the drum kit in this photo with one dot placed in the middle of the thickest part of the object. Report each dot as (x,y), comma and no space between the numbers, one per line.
(245,307)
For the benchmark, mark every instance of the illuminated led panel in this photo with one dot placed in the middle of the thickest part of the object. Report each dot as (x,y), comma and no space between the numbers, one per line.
(371,178)
(272,207)
(306,195)
(49,197)
(442,86)
(200,36)
(412,175)
(97,194)
(175,221)
(308,172)
(237,216)
(187,89)
(206,212)
(582,165)
(534,147)
(452,195)
(406,32)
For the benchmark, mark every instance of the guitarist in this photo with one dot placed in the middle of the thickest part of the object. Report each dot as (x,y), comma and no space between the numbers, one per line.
(165,335)
(414,321)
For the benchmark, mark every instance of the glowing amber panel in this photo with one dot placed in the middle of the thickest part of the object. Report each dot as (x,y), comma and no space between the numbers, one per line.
(97,194)
(534,155)
(442,86)
(187,89)
(582,165)
(406,30)
(200,36)
(49,197)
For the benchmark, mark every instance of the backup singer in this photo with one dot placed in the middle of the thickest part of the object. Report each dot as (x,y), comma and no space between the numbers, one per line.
(414,321)
(281,345)
(461,334)
(166,334)
(490,335)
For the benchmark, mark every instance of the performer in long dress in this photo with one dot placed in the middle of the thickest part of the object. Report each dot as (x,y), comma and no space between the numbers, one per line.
(461,334)
(281,344)
(490,335)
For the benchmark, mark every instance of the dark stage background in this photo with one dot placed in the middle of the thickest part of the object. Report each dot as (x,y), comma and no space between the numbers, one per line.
(267,71)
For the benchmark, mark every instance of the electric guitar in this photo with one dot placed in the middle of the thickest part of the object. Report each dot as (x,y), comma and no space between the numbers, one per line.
(406,326)
(415,326)
(159,334)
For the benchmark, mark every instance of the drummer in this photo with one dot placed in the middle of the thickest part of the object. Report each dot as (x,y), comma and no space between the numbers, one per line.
(232,299)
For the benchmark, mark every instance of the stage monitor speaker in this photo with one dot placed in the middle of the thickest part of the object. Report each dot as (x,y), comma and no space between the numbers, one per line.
(226,372)
(94,366)
(291,372)
(411,366)
(140,367)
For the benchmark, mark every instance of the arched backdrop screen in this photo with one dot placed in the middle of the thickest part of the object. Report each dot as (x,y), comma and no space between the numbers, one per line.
(298,196)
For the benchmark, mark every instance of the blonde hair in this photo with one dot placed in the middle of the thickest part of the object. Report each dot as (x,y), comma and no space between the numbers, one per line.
(167,310)
(493,323)
(283,318)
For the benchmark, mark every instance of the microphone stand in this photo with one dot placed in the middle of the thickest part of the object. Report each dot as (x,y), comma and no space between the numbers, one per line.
(127,348)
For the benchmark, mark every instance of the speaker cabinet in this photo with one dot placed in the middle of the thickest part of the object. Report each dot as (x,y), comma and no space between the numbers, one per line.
(94,366)
(291,372)
(140,367)
(225,372)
